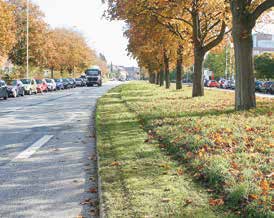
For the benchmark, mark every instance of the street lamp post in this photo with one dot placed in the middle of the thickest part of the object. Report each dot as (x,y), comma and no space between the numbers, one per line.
(27,39)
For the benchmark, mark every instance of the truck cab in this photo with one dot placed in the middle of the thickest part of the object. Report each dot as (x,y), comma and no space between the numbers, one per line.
(93,77)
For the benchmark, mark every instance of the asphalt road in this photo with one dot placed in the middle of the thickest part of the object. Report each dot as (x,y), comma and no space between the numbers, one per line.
(47,147)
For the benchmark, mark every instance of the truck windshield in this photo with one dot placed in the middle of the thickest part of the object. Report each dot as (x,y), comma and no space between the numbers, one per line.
(92,72)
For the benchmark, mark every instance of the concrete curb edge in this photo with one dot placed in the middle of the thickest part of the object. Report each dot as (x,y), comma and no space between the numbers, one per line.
(99,181)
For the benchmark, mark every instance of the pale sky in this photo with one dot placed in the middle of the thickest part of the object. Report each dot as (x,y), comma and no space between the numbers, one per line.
(86,16)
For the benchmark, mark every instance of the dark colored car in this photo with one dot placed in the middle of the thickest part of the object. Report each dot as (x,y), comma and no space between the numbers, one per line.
(258,86)
(3,90)
(267,86)
(79,82)
(94,77)
(59,84)
(271,89)
(66,83)
(16,88)
(84,78)
(72,82)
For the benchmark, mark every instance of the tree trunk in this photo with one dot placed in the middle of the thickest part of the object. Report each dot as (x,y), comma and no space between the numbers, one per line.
(150,79)
(167,75)
(198,83)
(245,97)
(245,81)
(179,67)
(52,72)
(162,76)
(157,79)
(153,78)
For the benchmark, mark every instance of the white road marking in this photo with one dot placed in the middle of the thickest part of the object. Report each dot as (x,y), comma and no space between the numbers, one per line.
(33,148)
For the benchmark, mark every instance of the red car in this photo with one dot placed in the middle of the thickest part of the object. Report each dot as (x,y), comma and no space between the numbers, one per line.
(41,86)
(213,83)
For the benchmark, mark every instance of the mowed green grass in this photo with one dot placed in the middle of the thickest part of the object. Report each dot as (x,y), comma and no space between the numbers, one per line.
(138,179)
(165,154)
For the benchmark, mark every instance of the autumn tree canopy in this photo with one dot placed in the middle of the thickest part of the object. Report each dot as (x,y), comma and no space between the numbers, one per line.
(7,27)
(61,49)
(202,26)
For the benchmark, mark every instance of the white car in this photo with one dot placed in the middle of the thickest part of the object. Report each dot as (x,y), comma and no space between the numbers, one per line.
(51,84)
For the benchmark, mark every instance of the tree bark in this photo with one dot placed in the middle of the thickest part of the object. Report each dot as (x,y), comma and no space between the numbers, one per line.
(52,72)
(198,84)
(157,79)
(62,72)
(166,66)
(162,76)
(179,67)
(150,79)
(243,23)
(245,97)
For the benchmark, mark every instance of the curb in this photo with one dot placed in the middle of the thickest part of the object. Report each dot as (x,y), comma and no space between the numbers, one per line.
(99,181)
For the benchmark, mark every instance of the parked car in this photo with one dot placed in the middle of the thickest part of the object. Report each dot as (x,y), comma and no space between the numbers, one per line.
(258,86)
(267,85)
(15,88)
(30,86)
(41,86)
(59,84)
(223,83)
(84,77)
(79,82)
(66,83)
(51,84)
(72,82)
(206,82)
(213,83)
(271,89)
(3,90)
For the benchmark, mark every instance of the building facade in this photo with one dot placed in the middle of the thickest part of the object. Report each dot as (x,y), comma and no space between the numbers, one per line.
(262,43)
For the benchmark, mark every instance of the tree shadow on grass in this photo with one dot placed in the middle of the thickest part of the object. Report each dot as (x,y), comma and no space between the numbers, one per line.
(143,176)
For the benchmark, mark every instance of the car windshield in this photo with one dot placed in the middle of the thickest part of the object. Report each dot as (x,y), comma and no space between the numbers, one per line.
(25,81)
(92,72)
(38,81)
(78,79)
(58,80)
(65,80)
(48,81)
(12,83)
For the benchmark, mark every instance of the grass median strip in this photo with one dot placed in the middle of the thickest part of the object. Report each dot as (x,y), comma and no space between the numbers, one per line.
(138,178)
(229,152)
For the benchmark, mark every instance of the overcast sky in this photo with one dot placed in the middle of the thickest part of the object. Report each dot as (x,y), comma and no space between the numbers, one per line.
(86,17)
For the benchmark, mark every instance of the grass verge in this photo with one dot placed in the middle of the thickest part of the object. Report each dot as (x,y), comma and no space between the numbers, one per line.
(229,152)
(138,178)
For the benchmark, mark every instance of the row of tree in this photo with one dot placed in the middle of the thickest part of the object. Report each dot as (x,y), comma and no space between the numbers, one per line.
(175,33)
(61,49)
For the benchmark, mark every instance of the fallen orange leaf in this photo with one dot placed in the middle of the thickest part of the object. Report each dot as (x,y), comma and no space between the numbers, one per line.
(253,197)
(216,202)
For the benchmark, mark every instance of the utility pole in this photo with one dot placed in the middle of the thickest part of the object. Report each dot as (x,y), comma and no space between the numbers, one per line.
(27,39)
